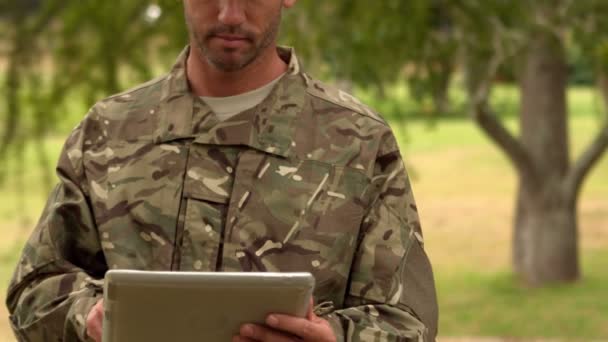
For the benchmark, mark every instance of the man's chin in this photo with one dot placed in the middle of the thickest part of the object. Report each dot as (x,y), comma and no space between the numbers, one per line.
(229,60)
(226,66)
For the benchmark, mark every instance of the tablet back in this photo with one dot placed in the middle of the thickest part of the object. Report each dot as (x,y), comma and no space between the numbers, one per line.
(187,306)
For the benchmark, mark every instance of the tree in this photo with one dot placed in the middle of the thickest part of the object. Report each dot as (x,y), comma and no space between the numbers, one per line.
(375,44)
(545,243)
(88,49)
(483,36)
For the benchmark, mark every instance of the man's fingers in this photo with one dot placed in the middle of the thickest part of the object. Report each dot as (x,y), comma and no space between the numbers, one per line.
(95,334)
(94,321)
(300,327)
(242,339)
(94,331)
(260,333)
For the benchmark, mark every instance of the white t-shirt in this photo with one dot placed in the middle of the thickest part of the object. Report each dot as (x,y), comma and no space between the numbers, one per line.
(226,107)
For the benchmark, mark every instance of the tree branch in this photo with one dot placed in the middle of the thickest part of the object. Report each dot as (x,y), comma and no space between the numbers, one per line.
(481,70)
(585,163)
(514,150)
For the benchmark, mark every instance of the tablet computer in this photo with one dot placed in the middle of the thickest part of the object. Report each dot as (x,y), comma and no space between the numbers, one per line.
(189,306)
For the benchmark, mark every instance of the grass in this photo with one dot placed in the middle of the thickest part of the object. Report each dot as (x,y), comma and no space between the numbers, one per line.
(9,254)
(492,304)
(420,140)
(28,175)
(464,188)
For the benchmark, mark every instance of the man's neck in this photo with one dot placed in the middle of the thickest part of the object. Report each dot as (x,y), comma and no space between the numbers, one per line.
(207,80)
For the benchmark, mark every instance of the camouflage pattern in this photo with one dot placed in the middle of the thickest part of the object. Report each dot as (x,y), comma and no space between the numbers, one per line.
(308,180)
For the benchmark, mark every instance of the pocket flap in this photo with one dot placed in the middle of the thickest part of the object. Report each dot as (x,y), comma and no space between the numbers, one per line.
(212,189)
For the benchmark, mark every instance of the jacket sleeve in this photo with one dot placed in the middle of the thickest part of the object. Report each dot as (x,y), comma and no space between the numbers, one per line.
(391,295)
(55,283)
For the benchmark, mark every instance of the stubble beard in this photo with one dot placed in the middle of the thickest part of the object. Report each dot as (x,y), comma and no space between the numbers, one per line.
(256,49)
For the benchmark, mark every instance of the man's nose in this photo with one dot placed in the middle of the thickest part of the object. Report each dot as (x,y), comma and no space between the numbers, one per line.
(232,12)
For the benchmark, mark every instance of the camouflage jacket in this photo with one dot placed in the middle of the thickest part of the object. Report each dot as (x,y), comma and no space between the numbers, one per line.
(308,180)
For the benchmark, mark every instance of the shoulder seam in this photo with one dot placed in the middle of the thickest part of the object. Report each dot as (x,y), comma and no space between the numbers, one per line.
(142,86)
(354,110)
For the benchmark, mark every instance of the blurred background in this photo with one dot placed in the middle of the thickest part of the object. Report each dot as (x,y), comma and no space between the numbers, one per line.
(500,108)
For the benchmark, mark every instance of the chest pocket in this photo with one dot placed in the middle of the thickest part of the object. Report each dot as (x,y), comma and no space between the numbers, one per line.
(291,215)
(138,198)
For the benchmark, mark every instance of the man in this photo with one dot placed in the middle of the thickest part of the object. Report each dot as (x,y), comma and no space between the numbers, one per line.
(235,161)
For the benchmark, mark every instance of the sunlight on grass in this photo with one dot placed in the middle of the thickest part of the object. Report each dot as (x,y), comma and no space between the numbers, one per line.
(493,304)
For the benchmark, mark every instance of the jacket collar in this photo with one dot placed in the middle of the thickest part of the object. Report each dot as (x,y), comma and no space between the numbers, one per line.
(268,127)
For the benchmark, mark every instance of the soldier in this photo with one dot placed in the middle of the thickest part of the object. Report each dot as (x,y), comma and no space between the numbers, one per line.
(236,160)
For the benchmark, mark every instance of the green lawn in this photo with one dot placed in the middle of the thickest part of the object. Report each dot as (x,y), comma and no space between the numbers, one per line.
(491,304)
(465,189)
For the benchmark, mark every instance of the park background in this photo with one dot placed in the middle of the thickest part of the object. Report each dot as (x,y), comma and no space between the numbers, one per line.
(475,90)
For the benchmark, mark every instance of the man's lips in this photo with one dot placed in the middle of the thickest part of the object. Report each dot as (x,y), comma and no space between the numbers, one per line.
(229,37)
(231,41)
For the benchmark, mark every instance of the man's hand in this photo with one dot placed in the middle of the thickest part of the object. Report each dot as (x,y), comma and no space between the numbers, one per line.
(95,321)
(282,328)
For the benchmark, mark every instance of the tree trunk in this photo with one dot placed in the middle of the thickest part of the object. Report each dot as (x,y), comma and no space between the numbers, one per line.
(545,247)
(545,242)
(441,96)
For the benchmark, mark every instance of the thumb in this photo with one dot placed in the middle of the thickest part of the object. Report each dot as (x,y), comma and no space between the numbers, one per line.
(311,314)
